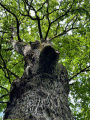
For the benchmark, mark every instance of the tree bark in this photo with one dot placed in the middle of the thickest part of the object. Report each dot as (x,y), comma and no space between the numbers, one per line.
(42,92)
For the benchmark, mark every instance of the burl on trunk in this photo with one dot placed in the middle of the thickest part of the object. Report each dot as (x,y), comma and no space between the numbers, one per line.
(42,92)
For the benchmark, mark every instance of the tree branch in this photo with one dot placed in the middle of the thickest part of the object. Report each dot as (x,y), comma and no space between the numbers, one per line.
(8,71)
(48,13)
(64,13)
(63,33)
(83,70)
(34,18)
(17,21)
(13,73)
(3,102)
(8,49)
(4,88)
(8,77)
(29,5)
(41,6)
(28,10)
(71,21)
(39,27)
(4,96)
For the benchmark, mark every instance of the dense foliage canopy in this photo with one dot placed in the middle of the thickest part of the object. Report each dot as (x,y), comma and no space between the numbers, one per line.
(66,23)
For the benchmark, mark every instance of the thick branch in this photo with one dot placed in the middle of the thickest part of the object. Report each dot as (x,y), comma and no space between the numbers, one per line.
(39,27)
(17,21)
(83,70)
(21,47)
(47,31)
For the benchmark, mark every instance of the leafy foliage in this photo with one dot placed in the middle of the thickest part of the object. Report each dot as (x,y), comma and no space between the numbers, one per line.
(67,24)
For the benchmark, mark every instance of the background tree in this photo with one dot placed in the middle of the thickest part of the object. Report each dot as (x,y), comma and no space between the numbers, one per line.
(66,24)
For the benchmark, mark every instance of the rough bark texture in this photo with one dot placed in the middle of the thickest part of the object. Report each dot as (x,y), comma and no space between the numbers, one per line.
(42,92)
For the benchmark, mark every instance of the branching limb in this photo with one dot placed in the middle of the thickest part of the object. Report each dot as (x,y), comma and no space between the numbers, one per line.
(28,4)
(72,20)
(83,70)
(50,23)
(63,33)
(64,13)
(33,18)
(28,10)
(48,13)
(17,21)
(12,73)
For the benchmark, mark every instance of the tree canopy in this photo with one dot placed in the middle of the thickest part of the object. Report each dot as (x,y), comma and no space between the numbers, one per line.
(66,23)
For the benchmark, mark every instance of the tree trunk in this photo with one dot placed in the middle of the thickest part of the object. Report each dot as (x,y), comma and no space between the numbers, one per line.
(42,92)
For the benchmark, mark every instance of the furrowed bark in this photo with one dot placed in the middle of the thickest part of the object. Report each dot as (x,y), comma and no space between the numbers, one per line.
(42,92)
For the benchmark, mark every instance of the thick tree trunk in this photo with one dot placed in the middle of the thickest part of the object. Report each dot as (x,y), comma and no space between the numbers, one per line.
(42,92)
